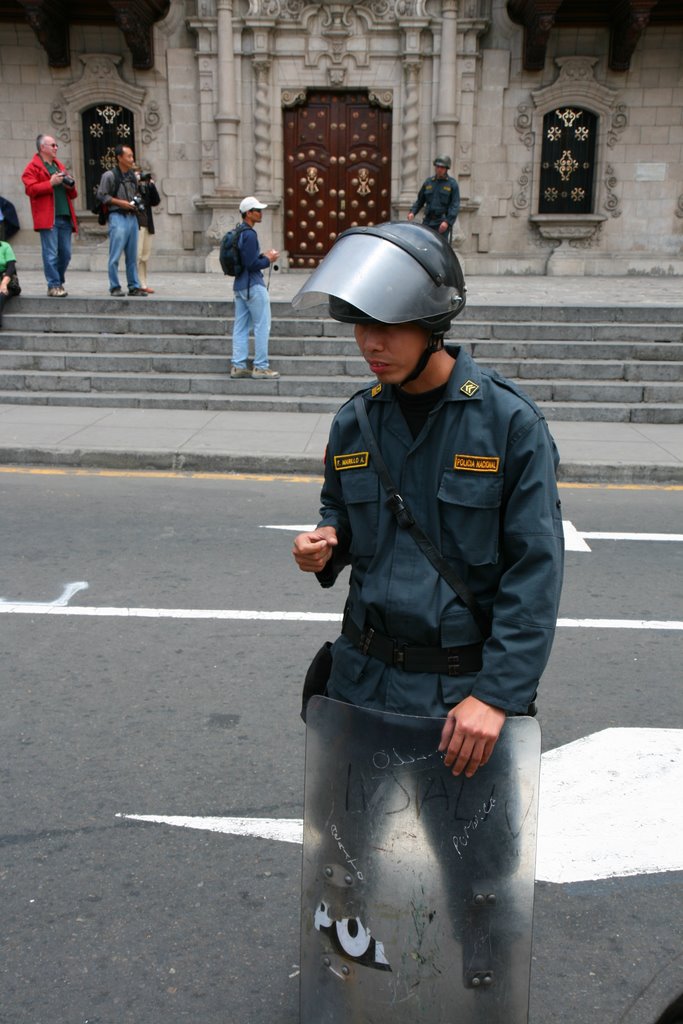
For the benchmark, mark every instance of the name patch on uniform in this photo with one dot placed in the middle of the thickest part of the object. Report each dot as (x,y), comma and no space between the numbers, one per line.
(376,390)
(477,463)
(469,388)
(354,460)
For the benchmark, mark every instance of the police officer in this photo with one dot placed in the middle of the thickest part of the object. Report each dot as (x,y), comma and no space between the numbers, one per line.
(440,197)
(474,461)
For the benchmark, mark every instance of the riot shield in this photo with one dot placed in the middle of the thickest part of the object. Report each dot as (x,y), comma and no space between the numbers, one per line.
(417,887)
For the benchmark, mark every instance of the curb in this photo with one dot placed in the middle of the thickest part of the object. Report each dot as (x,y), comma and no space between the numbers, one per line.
(662,474)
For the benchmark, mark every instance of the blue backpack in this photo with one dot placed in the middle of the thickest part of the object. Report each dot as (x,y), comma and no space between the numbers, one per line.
(229,254)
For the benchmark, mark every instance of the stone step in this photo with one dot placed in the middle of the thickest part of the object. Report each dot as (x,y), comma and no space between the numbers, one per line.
(338,387)
(616,412)
(134,320)
(220,344)
(500,312)
(329,365)
(580,362)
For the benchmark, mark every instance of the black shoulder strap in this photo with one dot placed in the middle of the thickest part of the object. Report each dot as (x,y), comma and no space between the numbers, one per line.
(405,520)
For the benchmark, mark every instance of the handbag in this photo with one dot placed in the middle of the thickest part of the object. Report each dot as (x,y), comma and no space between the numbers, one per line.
(13,288)
(315,681)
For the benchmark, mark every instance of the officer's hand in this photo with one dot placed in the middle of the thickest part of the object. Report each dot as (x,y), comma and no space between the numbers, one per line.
(312,551)
(411,216)
(443,227)
(470,734)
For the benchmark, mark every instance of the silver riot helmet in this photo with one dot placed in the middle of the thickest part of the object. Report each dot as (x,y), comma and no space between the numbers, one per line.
(393,273)
(442,161)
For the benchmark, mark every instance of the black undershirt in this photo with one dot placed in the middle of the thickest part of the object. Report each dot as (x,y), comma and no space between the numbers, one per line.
(416,408)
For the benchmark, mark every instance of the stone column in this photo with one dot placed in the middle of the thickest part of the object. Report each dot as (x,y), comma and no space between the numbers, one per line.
(446,120)
(227,120)
(262,132)
(410,131)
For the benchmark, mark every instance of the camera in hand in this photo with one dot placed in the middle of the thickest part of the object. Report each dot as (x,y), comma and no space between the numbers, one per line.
(139,203)
(68,180)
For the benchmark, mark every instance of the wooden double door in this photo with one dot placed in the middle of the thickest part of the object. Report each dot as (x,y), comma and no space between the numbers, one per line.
(337,170)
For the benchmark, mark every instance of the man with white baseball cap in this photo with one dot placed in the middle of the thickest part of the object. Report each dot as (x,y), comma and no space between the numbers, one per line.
(252,303)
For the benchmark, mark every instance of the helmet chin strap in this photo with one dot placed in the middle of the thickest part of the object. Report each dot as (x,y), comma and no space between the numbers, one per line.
(434,343)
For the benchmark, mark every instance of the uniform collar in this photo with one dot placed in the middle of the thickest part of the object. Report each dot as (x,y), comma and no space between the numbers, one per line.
(464,383)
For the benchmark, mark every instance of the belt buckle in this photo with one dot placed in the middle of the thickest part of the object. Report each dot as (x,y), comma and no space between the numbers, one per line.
(453,663)
(365,640)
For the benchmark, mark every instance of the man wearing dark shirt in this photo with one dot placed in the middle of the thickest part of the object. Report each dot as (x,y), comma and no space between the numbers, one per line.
(116,190)
(252,303)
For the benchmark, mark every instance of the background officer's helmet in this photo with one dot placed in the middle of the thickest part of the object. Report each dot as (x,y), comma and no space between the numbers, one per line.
(393,273)
(442,161)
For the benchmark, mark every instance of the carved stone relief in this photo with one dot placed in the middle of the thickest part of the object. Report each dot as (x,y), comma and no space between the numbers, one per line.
(381,11)
(520,199)
(523,124)
(611,203)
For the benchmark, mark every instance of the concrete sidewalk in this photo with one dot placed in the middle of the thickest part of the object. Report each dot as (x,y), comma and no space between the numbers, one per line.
(481,290)
(272,442)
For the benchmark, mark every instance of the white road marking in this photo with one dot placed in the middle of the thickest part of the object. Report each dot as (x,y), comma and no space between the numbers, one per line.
(574,540)
(59,602)
(619,624)
(19,608)
(634,536)
(292,527)
(608,808)
(250,614)
(284,830)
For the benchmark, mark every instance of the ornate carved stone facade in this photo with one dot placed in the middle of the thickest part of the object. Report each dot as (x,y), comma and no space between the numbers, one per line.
(209,120)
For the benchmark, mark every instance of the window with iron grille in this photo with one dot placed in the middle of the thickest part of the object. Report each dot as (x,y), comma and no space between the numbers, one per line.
(104,126)
(567,161)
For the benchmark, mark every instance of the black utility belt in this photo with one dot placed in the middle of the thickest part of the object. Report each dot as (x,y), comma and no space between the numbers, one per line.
(445,661)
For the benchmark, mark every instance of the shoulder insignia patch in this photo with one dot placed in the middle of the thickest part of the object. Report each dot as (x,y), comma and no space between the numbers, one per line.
(477,463)
(469,388)
(354,460)
(376,390)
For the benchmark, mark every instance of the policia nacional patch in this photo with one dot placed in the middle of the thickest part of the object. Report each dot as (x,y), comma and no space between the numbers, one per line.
(477,463)
(354,460)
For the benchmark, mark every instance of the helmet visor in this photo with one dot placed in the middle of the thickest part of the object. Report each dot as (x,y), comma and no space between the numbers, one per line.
(378,277)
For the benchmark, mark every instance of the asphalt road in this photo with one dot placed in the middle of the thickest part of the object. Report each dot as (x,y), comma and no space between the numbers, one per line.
(111,921)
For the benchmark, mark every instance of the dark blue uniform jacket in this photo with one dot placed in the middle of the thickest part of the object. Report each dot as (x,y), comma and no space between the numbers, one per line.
(441,200)
(481,481)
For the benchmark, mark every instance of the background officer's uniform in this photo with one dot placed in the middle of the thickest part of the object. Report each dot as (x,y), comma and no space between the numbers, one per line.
(441,200)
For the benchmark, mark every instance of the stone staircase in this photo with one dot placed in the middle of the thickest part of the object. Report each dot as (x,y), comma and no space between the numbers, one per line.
(578,363)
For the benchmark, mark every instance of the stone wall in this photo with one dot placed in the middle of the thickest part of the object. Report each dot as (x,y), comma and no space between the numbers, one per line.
(209,123)
(164,102)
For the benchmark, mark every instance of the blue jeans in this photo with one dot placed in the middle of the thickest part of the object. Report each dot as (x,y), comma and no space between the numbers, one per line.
(123,238)
(55,243)
(254,311)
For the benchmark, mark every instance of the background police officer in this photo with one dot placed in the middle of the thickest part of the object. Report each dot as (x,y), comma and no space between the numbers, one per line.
(440,197)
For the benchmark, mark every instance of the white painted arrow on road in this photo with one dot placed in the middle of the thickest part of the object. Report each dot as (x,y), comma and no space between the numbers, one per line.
(609,807)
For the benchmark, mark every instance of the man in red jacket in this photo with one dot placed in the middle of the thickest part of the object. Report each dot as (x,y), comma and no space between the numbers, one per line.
(51,190)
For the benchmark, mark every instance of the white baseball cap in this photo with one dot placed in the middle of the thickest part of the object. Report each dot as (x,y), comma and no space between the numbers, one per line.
(251,203)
